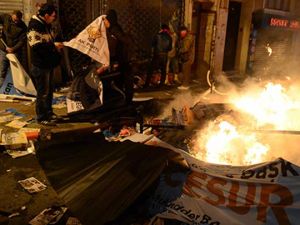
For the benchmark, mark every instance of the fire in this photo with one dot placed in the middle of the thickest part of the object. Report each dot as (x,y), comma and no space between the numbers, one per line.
(224,144)
(273,106)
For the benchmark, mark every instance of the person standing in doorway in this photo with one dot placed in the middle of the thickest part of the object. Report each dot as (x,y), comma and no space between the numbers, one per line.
(45,57)
(13,39)
(119,45)
(161,45)
(186,54)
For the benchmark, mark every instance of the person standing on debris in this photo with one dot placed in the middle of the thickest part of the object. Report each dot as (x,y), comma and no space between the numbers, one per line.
(119,45)
(186,54)
(45,57)
(161,45)
(13,39)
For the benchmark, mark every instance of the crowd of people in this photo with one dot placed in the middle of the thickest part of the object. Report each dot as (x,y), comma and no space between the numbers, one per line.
(172,54)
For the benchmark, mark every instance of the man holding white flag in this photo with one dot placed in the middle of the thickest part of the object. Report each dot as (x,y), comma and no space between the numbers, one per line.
(106,43)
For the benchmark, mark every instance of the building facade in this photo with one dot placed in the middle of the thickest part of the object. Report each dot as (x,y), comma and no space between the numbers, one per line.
(237,36)
(231,35)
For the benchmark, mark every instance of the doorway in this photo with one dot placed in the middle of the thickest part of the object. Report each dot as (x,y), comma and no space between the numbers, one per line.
(234,13)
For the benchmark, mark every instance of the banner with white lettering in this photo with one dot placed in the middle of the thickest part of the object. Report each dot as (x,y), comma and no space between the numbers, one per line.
(17,79)
(7,87)
(92,41)
(266,193)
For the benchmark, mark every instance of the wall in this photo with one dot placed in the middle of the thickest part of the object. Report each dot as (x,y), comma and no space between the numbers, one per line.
(222,15)
(30,8)
(244,34)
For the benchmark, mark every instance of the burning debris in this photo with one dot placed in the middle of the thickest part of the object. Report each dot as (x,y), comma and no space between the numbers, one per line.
(239,132)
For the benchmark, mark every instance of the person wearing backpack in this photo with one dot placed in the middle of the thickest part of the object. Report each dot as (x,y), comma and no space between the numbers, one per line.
(161,45)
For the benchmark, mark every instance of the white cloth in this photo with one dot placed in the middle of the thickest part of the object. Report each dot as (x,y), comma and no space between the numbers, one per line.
(17,78)
(92,41)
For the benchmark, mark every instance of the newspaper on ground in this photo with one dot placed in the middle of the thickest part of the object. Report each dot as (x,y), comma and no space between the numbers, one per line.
(49,216)
(32,185)
(8,118)
(16,153)
(14,139)
(16,124)
(138,138)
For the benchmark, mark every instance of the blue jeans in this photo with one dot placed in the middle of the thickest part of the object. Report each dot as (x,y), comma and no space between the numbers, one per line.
(4,65)
(43,82)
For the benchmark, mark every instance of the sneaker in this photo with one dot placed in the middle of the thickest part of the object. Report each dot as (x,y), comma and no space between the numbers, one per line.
(53,116)
(183,87)
(47,123)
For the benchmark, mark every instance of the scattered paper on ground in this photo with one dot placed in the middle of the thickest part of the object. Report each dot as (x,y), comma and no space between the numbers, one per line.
(16,124)
(20,153)
(32,185)
(16,138)
(49,216)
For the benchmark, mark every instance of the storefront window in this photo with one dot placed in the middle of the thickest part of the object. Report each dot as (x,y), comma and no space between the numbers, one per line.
(283,5)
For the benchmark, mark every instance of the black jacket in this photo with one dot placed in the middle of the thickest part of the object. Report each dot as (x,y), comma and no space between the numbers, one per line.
(162,43)
(14,35)
(118,44)
(41,40)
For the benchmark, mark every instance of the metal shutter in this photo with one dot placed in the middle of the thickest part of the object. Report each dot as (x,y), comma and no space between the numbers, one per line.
(7,6)
(280,42)
(139,18)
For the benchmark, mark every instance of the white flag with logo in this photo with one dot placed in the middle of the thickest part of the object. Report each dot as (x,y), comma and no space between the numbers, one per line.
(92,41)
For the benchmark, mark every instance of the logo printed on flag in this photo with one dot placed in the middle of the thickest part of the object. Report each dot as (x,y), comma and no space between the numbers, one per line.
(92,41)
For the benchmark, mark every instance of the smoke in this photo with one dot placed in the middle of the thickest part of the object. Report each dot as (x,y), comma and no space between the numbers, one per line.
(250,140)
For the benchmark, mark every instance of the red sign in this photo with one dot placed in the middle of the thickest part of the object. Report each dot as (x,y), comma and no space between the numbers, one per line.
(284,23)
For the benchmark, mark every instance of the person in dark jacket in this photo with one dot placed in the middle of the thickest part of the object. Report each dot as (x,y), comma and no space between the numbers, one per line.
(44,58)
(13,39)
(119,46)
(161,45)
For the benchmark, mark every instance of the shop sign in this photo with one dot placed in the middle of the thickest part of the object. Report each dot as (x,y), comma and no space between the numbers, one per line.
(284,23)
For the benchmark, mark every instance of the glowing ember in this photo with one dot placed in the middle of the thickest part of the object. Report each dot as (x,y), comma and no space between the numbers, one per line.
(225,145)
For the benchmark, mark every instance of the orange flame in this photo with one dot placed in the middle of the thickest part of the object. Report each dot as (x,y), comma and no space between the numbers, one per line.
(224,144)
(271,106)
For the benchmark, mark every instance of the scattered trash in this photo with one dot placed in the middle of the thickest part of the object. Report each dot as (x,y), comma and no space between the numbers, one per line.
(10,114)
(4,97)
(31,133)
(16,124)
(14,140)
(139,138)
(49,216)
(14,215)
(73,221)
(32,185)
(59,102)
(22,152)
